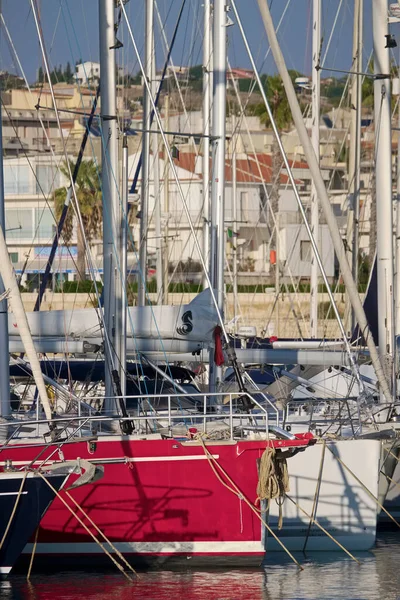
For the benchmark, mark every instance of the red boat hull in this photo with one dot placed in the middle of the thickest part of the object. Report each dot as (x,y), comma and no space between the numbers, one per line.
(158,499)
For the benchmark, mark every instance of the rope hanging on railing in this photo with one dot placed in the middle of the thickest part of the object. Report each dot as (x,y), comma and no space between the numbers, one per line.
(218,353)
(273,479)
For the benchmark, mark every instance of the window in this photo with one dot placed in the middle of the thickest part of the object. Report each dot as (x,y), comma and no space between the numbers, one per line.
(305,250)
(337,210)
(16,179)
(244,206)
(263,206)
(48,179)
(44,224)
(19,224)
(13,257)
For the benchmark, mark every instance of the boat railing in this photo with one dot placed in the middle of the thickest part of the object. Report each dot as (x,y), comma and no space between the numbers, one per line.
(159,413)
(324,413)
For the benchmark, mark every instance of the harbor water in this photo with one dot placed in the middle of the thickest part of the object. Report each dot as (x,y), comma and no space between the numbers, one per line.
(325,577)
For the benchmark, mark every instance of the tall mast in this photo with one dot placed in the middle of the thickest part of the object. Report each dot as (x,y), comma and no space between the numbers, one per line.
(217,250)
(397,262)
(156,186)
(316,45)
(324,201)
(383,169)
(166,205)
(206,131)
(4,354)
(122,280)
(144,200)
(111,205)
(354,150)
(234,223)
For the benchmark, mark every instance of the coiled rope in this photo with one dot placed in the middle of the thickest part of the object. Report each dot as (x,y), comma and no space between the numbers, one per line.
(273,479)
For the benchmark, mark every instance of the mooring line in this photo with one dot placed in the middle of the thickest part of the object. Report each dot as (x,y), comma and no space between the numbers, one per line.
(117,564)
(365,488)
(119,554)
(314,520)
(235,490)
(316,495)
(28,576)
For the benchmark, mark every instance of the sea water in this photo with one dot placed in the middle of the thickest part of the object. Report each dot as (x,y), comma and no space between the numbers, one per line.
(325,577)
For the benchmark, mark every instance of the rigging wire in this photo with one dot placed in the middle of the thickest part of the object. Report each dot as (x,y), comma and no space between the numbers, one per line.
(104,217)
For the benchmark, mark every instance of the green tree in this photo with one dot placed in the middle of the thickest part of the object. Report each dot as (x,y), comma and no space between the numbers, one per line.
(88,194)
(68,74)
(196,73)
(367,90)
(277,99)
(40,77)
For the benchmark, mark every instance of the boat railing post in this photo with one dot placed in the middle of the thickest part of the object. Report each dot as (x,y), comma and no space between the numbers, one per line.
(311,414)
(205,413)
(169,415)
(231,415)
(37,416)
(79,417)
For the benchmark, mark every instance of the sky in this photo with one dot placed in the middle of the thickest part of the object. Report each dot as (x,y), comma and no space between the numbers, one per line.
(70,30)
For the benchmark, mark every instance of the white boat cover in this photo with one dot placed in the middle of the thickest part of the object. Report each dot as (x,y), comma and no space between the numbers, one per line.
(191,322)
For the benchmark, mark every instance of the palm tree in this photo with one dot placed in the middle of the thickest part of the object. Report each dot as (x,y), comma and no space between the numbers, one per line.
(88,194)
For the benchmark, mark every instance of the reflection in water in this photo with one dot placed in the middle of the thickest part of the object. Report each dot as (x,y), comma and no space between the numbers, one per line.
(324,577)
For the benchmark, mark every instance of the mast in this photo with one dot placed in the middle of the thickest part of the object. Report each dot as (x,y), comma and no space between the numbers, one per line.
(217,250)
(5,408)
(122,280)
(234,223)
(397,261)
(206,131)
(156,187)
(166,205)
(354,151)
(383,169)
(111,205)
(316,44)
(324,200)
(144,201)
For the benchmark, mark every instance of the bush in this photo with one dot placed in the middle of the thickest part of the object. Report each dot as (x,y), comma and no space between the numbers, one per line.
(325,311)
(80,287)
(180,288)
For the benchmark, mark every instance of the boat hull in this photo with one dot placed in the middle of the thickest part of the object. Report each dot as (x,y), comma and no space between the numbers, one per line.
(324,487)
(160,502)
(31,501)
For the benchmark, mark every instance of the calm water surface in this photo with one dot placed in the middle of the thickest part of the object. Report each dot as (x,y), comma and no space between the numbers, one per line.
(325,577)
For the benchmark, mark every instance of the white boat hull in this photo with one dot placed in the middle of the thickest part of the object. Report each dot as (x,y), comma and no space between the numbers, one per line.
(343,507)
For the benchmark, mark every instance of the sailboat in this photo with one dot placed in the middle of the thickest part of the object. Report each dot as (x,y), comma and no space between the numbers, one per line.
(172,496)
(159,490)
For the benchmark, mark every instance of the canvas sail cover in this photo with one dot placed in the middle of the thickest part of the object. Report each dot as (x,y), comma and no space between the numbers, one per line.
(192,322)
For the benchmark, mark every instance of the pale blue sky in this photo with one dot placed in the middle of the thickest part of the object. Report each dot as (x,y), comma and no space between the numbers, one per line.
(71,32)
